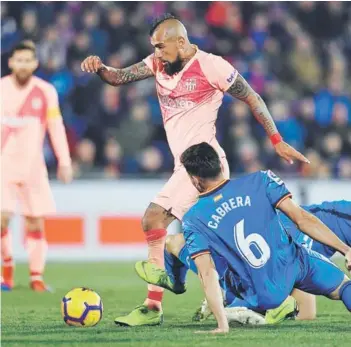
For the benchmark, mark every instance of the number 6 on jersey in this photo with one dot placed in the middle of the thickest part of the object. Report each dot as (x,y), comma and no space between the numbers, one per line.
(254,240)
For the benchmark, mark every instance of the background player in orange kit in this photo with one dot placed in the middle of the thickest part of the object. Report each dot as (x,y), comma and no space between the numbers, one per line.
(190,84)
(29,107)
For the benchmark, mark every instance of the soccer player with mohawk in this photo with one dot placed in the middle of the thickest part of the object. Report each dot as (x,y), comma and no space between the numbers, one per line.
(190,84)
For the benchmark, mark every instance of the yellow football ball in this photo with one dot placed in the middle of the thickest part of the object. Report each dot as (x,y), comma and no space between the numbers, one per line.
(81,307)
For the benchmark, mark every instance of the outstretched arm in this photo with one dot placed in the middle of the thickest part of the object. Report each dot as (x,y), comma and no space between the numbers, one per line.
(58,137)
(314,228)
(116,77)
(241,90)
(209,280)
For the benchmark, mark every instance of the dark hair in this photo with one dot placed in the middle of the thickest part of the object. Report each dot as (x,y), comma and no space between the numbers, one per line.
(160,19)
(24,45)
(201,160)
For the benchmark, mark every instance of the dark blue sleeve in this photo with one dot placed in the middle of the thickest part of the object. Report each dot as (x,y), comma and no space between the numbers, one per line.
(275,188)
(195,241)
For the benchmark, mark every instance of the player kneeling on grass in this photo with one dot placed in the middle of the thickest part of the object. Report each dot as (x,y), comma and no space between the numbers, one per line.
(238,220)
(336,215)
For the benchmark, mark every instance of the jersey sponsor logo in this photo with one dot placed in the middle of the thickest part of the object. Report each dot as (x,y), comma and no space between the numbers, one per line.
(274,177)
(227,206)
(37,103)
(18,122)
(190,84)
(231,77)
(181,103)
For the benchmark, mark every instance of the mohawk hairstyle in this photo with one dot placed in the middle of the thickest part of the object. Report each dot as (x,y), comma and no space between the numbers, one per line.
(160,19)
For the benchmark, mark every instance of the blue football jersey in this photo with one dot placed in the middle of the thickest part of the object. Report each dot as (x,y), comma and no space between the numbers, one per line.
(336,215)
(238,221)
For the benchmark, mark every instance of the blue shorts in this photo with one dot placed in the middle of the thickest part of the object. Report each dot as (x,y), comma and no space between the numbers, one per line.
(315,274)
(319,276)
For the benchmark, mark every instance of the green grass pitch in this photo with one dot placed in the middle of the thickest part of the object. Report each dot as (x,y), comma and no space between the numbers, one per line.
(32,319)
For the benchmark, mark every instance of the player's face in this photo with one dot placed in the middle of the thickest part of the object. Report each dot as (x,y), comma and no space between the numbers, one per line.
(22,64)
(167,51)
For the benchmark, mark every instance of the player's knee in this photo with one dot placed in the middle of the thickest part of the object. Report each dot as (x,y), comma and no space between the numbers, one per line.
(34,224)
(155,217)
(5,220)
(174,243)
(169,244)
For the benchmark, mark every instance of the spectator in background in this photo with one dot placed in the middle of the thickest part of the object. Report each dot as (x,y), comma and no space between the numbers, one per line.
(248,153)
(135,131)
(116,25)
(305,64)
(277,90)
(258,76)
(290,128)
(112,158)
(259,30)
(84,159)
(344,168)
(64,27)
(327,97)
(335,18)
(151,160)
(52,49)
(109,107)
(318,167)
(9,30)
(200,35)
(296,54)
(99,38)
(306,114)
(306,15)
(30,28)
(332,148)
(79,48)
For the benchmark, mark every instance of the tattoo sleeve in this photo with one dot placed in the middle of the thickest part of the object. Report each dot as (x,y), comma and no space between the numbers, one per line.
(241,90)
(116,77)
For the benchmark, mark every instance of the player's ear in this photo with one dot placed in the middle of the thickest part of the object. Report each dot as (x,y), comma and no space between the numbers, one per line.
(35,64)
(181,42)
(193,180)
(10,63)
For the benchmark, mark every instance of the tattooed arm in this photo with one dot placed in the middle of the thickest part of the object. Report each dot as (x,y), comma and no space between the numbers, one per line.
(241,90)
(116,77)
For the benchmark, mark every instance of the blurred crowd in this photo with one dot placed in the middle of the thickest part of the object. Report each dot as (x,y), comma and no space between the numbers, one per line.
(296,55)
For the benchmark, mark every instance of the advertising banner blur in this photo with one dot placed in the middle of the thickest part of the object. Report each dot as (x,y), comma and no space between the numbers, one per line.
(101,220)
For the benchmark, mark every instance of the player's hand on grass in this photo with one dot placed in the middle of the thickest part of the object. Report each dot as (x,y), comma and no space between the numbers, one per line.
(215,331)
(65,174)
(92,64)
(289,153)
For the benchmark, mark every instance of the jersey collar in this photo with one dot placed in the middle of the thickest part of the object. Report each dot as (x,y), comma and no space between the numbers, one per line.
(214,189)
